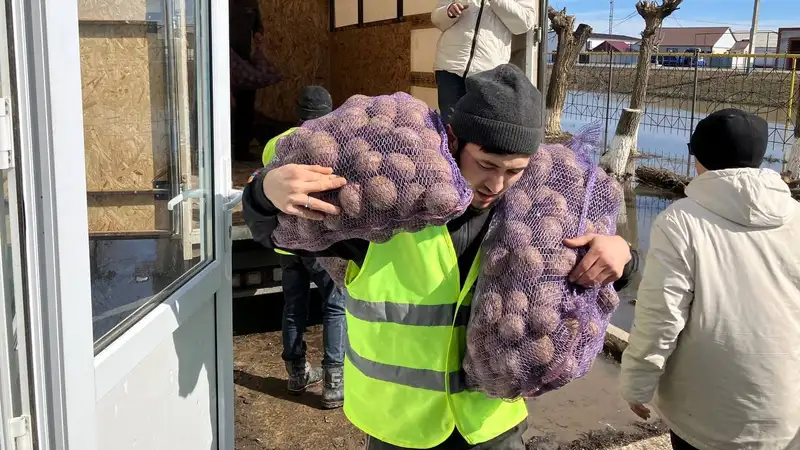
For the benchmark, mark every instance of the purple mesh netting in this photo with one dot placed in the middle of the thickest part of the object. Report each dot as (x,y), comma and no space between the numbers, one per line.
(531,331)
(336,268)
(393,151)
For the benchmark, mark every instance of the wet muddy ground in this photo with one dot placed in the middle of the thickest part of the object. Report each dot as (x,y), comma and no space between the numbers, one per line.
(586,414)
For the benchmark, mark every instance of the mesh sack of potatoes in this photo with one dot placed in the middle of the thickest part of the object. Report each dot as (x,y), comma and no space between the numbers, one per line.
(393,152)
(336,268)
(530,329)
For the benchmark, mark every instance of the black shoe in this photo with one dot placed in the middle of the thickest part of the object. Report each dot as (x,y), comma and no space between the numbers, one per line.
(333,389)
(301,376)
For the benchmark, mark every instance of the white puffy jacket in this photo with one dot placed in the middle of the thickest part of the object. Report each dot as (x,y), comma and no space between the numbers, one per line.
(716,338)
(480,39)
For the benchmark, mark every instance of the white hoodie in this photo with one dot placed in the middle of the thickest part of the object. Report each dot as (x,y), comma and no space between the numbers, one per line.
(716,338)
(480,39)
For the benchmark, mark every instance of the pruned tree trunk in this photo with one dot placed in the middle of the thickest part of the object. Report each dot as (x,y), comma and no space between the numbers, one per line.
(624,142)
(570,44)
(793,165)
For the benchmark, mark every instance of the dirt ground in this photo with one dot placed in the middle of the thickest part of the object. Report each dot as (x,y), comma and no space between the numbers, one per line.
(587,414)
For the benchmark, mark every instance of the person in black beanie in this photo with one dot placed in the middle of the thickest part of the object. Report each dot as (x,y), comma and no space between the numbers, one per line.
(713,343)
(495,128)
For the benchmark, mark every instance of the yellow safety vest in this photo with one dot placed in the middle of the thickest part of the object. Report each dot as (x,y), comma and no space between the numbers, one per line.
(266,157)
(406,326)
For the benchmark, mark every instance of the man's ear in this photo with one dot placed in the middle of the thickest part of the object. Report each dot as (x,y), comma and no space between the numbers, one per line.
(452,140)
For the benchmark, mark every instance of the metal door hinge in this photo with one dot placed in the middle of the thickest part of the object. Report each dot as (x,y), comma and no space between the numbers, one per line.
(6,135)
(537,35)
(19,429)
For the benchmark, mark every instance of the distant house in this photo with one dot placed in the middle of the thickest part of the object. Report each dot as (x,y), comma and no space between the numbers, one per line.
(788,42)
(706,39)
(766,42)
(595,39)
(604,48)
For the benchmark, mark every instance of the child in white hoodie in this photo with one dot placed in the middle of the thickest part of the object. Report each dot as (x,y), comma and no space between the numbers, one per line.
(715,344)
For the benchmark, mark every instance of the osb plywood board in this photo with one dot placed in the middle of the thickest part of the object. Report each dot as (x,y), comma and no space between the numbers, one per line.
(346,12)
(371,61)
(126,132)
(411,7)
(427,95)
(423,49)
(297,42)
(115,213)
(377,10)
(134,10)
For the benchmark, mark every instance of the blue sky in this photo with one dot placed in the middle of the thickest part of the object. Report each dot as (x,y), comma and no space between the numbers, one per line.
(693,13)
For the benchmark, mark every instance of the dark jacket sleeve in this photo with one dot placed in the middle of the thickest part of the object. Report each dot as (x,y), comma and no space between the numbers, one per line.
(627,274)
(261,217)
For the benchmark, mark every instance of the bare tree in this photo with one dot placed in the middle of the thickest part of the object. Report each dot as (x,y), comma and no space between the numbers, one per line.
(793,165)
(570,44)
(624,142)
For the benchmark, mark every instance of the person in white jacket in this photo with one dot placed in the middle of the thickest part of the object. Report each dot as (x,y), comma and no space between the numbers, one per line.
(476,36)
(715,344)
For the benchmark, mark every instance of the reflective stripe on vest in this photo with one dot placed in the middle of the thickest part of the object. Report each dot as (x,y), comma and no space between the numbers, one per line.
(406,318)
(266,158)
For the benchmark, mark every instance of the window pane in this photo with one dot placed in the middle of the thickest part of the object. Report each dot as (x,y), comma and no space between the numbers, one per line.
(146,122)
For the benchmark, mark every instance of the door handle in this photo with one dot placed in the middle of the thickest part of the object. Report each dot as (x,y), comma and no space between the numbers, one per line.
(234,198)
(184,195)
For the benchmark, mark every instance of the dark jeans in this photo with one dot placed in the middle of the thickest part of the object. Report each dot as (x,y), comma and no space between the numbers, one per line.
(678,443)
(243,123)
(510,440)
(451,89)
(297,274)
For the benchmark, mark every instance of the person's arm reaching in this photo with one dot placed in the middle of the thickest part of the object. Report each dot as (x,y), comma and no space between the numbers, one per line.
(441,15)
(519,16)
(261,217)
(662,309)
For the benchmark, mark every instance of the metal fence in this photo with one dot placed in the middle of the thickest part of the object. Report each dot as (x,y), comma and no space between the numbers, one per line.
(682,89)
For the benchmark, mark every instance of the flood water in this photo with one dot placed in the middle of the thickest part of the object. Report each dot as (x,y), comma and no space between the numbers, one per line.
(664,131)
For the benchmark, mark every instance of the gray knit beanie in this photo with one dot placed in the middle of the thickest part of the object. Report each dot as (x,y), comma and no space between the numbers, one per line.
(314,102)
(501,111)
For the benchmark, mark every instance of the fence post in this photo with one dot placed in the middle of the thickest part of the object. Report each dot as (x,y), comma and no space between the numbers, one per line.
(694,109)
(608,97)
(790,113)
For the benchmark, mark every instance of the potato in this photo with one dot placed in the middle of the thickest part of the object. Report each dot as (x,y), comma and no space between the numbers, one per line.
(515,233)
(411,118)
(570,224)
(541,351)
(511,328)
(409,199)
(350,200)
(540,166)
(607,299)
(351,119)
(377,131)
(562,262)
(308,229)
(592,329)
(431,139)
(547,295)
(573,326)
(528,261)
(358,100)
(589,228)
(516,302)
(441,199)
(368,162)
(551,233)
(610,194)
(333,223)
(513,363)
(568,173)
(567,372)
(542,321)
(400,167)
(432,163)
(490,309)
(323,149)
(380,193)
(383,105)
(517,203)
(380,236)
(496,261)
(549,202)
(407,140)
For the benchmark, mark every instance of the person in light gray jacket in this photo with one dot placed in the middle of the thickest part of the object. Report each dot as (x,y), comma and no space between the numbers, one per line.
(715,344)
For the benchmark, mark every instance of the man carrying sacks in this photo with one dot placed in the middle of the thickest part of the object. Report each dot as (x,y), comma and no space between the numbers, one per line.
(406,332)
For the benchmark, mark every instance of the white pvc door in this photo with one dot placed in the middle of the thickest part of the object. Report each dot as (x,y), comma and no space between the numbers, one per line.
(157,172)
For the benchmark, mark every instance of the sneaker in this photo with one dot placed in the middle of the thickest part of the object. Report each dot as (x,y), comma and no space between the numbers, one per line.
(333,389)
(301,376)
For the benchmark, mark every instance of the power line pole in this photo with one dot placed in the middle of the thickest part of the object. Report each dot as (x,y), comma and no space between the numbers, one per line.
(611,17)
(753,31)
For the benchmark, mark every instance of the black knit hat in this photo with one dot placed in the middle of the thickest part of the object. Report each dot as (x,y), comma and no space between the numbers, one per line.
(501,112)
(729,139)
(314,102)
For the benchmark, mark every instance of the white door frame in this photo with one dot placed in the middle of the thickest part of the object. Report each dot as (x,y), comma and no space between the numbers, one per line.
(66,374)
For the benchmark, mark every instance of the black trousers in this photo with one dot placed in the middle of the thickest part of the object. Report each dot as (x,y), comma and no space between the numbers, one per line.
(678,443)
(243,123)
(510,440)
